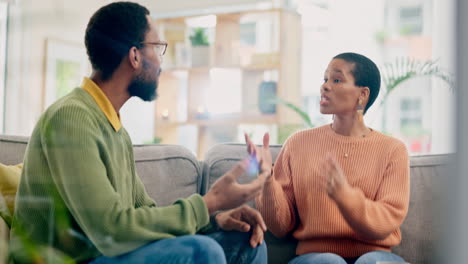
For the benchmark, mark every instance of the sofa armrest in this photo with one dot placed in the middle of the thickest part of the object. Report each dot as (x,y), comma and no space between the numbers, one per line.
(12,149)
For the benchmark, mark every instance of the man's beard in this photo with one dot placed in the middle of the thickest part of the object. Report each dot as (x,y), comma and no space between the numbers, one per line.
(145,88)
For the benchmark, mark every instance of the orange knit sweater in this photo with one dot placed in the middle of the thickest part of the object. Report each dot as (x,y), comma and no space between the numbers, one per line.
(365,217)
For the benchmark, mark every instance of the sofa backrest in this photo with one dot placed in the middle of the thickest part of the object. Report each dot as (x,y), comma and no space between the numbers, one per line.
(12,149)
(420,230)
(221,158)
(169,172)
(417,230)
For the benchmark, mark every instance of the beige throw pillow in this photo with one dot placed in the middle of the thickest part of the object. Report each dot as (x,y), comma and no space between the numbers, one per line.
(9,181)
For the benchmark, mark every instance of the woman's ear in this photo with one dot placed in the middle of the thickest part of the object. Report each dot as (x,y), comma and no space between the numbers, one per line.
(364,96)
(134,57)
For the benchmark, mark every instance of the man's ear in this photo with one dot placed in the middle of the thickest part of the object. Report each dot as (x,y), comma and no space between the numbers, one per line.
(134,57)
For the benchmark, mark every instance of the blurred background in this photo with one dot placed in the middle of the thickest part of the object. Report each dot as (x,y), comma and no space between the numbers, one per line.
(236,66)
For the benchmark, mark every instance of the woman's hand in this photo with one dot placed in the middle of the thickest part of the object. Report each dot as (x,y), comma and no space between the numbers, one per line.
(335,180)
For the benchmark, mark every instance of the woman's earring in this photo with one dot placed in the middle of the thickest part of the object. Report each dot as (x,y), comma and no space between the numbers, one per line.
(360,111)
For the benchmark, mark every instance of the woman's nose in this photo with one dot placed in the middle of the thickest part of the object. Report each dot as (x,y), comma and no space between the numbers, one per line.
(325,87)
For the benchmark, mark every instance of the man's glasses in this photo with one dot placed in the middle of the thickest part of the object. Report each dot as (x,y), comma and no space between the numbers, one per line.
(159,47)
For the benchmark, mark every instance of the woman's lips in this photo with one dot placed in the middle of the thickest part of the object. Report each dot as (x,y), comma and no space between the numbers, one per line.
(324,100)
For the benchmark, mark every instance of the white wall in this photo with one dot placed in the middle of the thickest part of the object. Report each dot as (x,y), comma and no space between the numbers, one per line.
(443,100)
(31,23)
(3,23)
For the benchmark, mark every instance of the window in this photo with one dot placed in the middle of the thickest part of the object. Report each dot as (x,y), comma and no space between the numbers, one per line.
(248,34)
(411,20)
(411,114)
(411,126)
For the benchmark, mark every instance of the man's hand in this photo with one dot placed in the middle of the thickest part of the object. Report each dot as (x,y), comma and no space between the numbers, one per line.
(263,154)
(226,193)
(243,219)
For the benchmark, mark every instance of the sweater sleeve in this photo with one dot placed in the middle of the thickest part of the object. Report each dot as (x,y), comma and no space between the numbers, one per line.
(141,196)
(72,146)
(376,219)
(277,202)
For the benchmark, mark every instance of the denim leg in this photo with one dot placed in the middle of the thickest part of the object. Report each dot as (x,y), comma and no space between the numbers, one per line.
(237,248)
(318,258)
(374,256)
(191,249)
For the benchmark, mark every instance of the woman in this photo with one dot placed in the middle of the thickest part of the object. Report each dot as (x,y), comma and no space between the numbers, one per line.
(342,190)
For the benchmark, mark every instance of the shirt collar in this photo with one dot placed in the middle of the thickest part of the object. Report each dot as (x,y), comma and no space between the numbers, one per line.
(103,102)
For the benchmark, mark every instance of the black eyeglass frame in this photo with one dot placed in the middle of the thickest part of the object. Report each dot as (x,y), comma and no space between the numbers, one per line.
(159,43)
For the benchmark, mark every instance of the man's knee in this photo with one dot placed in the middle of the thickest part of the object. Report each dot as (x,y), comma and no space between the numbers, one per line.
(237,247)
(206,249)
(239,250)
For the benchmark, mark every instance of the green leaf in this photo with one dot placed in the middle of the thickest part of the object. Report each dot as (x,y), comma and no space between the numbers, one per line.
(404,69)
(199,37)
(305,117)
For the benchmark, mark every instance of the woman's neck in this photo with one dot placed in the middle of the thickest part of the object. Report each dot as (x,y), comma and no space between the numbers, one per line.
(349,126)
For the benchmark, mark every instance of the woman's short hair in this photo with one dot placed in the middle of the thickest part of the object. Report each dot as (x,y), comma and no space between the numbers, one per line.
(365,72)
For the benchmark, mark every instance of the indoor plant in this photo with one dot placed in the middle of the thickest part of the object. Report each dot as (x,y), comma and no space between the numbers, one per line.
(200,47)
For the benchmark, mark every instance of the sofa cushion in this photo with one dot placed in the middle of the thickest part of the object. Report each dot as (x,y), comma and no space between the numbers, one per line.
(9,181)
(168,172)
(12,150)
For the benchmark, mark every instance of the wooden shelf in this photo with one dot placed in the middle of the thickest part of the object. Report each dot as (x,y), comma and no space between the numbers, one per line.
(264,45)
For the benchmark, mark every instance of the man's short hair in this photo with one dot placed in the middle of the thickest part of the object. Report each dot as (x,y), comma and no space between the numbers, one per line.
(111,32)
(365,72)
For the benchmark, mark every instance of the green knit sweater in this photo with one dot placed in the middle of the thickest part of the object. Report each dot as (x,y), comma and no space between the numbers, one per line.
(79,191)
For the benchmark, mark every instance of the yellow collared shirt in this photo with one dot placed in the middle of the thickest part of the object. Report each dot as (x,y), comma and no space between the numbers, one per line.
(103,102)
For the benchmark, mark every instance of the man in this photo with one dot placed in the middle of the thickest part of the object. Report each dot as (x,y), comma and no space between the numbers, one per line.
(80,159)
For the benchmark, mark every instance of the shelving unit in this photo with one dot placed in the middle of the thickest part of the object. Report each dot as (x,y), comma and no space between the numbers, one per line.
(250,54)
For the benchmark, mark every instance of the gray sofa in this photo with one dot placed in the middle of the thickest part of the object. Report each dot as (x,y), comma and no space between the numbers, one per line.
(170,172)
